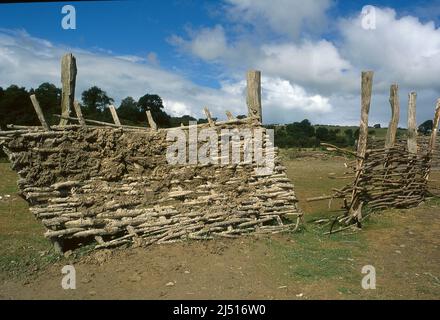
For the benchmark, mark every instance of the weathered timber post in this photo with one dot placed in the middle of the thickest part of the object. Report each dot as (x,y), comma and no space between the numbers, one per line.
(395,114)
(114,115)
(412,123)
(150,120)
(229,115)
(209,117)
(39,112)
(68,79)
(253,99)
(355,210)
(79,114)
(366,90)
(433,138)
(435,126)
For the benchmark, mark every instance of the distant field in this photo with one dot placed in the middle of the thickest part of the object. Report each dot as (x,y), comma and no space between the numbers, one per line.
(379,133)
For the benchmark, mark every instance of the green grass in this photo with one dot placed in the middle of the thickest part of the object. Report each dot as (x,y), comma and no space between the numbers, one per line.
(315,256)
(378,133)
(23,249)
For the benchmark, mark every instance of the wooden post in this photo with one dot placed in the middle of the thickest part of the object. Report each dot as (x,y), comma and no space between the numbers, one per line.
(114,115)
(412,123)
(435,126)
(39,112)
(254,94)
(366,90)
(68,79)
(79,114)
(229,115)
(433,138)
(355,210)
(209,117)
(151,122)
(395,114)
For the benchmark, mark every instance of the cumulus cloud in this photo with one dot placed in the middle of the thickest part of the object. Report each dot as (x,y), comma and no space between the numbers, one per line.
(312,78)
(206,43)
(399,49)
(29,61)
(282,16)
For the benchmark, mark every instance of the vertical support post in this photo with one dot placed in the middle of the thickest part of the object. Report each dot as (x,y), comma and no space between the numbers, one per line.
(395,114)
(151,122)
(79,114)
(412,123)
(39,112)
(114,115)
(355,210)
(68,79)
(433,138)
(253,99)
(435,126)
(366,90)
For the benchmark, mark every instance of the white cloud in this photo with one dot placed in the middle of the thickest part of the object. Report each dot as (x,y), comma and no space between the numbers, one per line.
(279,93)
(313,64)
(120,76)
(302,78)
(282,16)
(177,108)
(399,49)
(206,43)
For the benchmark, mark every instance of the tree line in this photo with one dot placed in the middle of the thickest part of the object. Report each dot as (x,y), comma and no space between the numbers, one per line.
(304,135)
(16,107)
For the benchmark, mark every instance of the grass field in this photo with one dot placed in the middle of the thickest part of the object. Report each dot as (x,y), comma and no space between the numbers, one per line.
(402,245)
(379,133)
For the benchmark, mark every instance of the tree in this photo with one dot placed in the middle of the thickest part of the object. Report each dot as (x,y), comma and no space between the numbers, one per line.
(16,107)
(322,134)
(128,110)
(426,127)
(49,97)
(94,101)
(154,103)
(176,121)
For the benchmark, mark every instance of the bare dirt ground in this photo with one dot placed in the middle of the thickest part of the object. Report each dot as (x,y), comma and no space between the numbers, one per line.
(403,246)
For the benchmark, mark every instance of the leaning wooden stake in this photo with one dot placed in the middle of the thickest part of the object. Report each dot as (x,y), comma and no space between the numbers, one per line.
(151,122)
(39,112)
(229,115)
(433,138)
(254,94)
(395,114)
(412,123)
(79,114)
(209,117)
(68,78)
(114,115)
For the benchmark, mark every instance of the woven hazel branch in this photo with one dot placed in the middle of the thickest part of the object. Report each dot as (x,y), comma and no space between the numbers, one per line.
(114,185)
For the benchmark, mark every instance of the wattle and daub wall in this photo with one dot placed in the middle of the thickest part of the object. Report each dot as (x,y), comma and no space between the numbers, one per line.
(115,186)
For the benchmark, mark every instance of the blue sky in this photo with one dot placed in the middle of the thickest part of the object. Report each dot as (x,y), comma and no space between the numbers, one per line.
(201,49)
